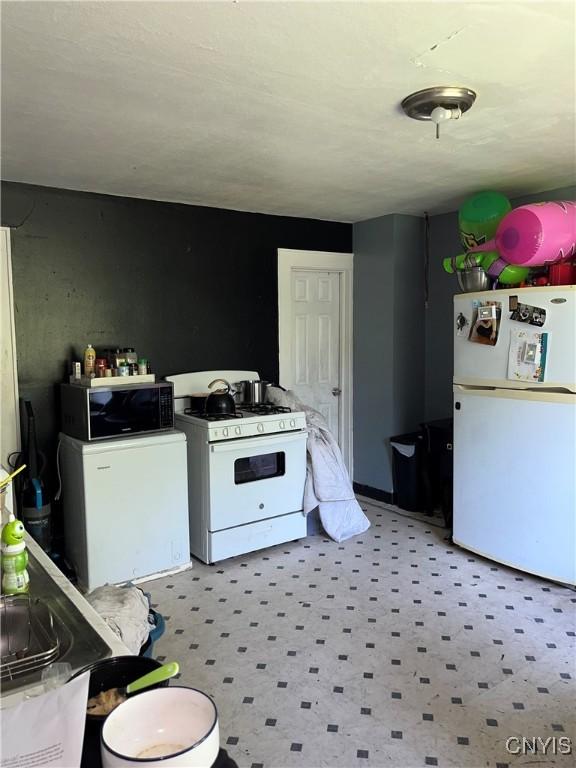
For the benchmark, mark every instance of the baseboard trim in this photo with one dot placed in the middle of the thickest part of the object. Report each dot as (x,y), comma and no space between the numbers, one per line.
(373,493)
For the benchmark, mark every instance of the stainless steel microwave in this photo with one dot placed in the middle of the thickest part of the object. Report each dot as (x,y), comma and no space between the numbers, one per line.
(101,413)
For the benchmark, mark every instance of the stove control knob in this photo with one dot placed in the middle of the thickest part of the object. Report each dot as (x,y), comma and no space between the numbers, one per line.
(225,431)
(282,425)
(237,430)
(260,427)
(292,423)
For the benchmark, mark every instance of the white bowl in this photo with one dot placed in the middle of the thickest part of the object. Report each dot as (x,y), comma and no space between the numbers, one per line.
(162,727)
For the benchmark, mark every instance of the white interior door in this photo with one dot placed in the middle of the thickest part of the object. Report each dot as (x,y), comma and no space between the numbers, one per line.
(315,290)
(316,342)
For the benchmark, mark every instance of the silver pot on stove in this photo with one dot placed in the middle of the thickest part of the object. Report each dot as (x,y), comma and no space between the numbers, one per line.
(251,392)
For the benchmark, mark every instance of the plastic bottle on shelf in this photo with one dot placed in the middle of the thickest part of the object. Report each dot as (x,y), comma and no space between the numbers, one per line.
(142,366)
(130,355)
(89,361)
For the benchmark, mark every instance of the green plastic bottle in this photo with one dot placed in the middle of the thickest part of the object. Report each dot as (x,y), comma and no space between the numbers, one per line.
(15,578)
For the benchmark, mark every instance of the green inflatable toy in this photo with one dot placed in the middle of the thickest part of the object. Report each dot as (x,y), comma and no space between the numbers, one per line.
(510,275)
(462,261)
(479,216)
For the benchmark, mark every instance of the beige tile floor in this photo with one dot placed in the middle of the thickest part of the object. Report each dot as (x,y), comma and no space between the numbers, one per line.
(394,648)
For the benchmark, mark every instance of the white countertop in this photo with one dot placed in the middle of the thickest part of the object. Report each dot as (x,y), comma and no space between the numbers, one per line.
(116,646)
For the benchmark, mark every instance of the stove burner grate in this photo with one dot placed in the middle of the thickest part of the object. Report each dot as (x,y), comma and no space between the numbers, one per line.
(263,409)
(212,416)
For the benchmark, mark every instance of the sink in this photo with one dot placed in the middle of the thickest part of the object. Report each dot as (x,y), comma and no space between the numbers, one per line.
(59,632)
(28,638)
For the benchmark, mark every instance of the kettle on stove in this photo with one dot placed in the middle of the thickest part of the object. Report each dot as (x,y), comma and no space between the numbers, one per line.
(220,400)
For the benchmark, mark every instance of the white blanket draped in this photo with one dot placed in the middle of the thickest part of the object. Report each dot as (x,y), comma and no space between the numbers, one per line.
(328,485)
(125,610)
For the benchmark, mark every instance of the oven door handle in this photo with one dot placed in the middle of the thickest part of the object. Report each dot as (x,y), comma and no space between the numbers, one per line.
(263,442)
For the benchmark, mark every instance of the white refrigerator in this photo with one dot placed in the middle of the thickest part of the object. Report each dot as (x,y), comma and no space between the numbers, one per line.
(125,504)
(515,428)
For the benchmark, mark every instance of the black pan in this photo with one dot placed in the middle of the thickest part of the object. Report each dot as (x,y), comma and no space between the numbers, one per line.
(198,402)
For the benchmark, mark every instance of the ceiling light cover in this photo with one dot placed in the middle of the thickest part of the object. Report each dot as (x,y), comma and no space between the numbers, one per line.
(419,105)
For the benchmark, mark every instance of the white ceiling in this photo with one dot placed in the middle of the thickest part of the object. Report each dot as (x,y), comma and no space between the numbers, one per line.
(287,107)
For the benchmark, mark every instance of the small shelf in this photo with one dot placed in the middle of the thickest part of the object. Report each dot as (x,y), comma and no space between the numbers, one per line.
(114,381)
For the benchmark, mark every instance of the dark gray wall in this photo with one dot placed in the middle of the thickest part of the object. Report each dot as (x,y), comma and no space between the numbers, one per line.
(409,337)
(190,288)
(388,341)
(444,242)
(373,349)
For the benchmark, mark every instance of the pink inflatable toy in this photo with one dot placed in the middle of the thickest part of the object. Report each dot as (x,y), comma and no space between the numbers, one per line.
(535,235)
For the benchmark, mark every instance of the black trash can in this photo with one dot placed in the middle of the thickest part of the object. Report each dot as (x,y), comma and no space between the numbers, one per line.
(407,471)
(438,467)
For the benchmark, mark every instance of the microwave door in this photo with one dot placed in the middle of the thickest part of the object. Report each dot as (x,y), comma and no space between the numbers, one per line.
(123,412)
(108,414)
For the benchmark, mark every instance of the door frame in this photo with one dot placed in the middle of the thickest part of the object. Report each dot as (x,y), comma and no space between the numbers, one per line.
(319,261)
(10,415)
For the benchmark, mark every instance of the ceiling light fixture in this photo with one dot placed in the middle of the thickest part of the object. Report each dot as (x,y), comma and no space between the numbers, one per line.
(439,104)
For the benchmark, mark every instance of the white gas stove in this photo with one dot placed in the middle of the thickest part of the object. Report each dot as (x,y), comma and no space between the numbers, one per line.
(246,471)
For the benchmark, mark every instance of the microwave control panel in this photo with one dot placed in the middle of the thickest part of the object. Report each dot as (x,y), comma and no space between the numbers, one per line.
(166,407)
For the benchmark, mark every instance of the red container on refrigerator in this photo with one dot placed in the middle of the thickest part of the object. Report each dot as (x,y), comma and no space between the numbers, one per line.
(562,273)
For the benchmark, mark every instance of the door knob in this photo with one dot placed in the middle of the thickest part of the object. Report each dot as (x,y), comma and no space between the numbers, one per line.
(336,391)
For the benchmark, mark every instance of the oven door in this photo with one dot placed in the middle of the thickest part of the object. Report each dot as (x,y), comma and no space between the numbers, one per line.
(256,478)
